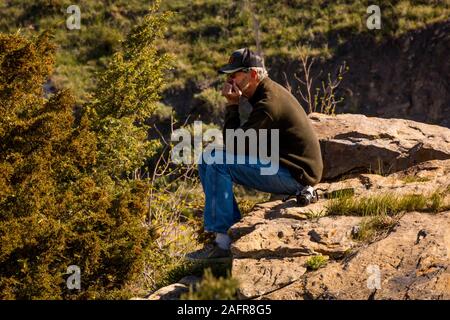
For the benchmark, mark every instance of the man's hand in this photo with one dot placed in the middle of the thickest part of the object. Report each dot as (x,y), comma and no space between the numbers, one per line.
(231,92)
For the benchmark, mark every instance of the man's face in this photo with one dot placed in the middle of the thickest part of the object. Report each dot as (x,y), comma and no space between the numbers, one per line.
(241,79)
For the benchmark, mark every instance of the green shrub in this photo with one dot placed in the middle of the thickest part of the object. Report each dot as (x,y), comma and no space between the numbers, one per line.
(212,288)
(63,199)
(127,94)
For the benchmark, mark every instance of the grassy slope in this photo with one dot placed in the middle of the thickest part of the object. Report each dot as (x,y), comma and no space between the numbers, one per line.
(81,52)
(203,32)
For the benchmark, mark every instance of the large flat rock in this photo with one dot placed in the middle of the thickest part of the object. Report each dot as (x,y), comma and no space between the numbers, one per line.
(261,276)
(413,262)
(410,261)
(356,143)
(290,238)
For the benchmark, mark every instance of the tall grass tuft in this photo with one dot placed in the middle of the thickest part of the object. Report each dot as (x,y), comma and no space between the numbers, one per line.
(386,204)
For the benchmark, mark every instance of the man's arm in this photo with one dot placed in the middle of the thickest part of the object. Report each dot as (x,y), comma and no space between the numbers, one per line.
(232,119)
(259,118)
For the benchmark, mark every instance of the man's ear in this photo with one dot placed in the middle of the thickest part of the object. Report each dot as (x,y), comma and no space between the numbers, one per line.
(253,74)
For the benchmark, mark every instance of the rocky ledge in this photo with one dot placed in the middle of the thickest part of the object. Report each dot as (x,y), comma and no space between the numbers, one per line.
(275,245)
(272,245)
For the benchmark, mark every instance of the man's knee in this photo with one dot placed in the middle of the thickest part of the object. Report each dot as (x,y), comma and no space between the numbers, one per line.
(215,160)
(214,156)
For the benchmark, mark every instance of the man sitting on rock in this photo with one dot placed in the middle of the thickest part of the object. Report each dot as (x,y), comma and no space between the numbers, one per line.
(273,108)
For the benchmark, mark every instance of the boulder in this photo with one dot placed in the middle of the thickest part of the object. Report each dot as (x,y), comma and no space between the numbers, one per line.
(170,292)
(272,244)
(423,178)
(174,291)
(413,262)
(290,238)
(261,276)
(355,143)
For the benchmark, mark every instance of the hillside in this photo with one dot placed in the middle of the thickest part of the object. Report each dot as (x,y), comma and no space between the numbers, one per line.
(202,33)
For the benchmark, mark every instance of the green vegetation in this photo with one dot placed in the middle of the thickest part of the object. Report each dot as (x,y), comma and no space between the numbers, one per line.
(371,227)
(202,33)
(81,183)
(412,179)
(66,197)
(126,96)
(213,288)
(386,204)
(316,262)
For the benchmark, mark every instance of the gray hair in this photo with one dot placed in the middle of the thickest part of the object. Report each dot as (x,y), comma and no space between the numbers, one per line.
(261,72)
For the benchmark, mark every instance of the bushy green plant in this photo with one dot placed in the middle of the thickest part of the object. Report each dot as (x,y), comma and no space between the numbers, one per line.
(127,95)
(62,199)
(212,288)
(316,262)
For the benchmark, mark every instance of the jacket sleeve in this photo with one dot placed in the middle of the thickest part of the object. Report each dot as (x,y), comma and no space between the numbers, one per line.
(232,120)
(259,118)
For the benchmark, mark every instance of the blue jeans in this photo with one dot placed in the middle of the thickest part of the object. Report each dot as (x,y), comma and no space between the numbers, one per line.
(221,210)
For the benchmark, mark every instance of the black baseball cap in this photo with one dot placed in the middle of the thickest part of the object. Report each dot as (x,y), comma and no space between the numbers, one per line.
(242,59)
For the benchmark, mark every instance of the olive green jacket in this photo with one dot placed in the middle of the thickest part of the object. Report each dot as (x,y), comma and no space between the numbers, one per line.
(274,107)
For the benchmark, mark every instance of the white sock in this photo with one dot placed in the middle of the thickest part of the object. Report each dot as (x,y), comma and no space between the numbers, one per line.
(223,241)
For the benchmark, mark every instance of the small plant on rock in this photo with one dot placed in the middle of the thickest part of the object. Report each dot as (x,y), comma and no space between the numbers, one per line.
(316,262)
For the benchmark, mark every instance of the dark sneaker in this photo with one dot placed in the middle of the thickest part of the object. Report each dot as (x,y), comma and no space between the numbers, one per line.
(210,253)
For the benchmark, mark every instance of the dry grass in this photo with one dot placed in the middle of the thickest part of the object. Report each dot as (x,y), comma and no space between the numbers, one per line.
(387,204)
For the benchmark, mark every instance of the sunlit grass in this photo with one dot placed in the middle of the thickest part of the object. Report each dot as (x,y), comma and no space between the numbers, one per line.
(412,179)
(386,204)
(382,212)
(370,227)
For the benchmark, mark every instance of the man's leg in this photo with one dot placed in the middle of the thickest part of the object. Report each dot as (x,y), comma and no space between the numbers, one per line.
(221,210)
